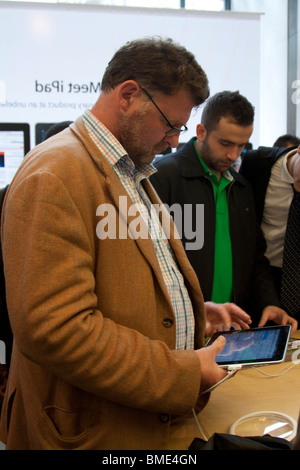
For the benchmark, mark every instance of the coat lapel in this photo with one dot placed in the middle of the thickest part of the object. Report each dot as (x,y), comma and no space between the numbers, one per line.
(123,202)
(120,198)
(173,237)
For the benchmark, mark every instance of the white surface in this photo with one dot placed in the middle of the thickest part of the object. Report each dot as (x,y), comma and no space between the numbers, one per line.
(49,52)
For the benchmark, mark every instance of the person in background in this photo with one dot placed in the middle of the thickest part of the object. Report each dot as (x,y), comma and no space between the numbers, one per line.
(287,141)
(230,264)
(107,314)
(274,174)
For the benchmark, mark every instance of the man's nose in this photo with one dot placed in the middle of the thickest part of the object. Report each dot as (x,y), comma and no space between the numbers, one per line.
(172,140)
(233,153)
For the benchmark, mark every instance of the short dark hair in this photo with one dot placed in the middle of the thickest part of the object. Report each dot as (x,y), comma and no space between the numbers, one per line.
(157,64)
(230,104)
(287,140)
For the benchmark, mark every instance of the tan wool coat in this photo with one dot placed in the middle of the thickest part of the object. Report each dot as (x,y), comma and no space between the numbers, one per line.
(93,363)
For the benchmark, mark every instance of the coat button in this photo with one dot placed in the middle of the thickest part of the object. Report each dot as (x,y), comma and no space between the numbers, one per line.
(164,418)
(168,322)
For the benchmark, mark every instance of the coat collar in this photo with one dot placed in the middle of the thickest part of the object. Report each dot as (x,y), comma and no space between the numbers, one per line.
(116,189)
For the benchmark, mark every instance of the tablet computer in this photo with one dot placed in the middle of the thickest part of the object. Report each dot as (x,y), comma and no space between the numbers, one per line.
(256,346)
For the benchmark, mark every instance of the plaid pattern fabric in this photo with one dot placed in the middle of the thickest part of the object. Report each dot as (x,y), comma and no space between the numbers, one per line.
(131,178)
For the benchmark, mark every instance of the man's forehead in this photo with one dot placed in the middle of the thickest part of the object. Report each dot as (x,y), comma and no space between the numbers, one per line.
(228,128)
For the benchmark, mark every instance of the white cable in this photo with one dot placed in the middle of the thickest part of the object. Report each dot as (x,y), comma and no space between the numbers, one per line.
(199,427)
(274,375)
(230,373)
(294,344)
(281,417)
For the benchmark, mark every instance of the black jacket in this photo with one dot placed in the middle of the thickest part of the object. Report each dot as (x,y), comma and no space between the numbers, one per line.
(180,179)
(256,167)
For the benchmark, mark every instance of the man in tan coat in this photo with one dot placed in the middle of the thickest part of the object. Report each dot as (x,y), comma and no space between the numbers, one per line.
(107,314)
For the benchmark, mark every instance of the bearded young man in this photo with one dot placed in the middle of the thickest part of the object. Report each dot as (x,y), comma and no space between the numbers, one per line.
(231,266)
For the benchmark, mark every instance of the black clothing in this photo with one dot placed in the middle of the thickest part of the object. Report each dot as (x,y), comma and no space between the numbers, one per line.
(256,167)
(181,179)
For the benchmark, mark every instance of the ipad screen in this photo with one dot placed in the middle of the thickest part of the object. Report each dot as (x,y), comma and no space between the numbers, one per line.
(254,346)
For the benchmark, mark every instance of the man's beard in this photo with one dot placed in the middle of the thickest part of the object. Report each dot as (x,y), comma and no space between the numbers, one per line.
(132,133)
(208,157)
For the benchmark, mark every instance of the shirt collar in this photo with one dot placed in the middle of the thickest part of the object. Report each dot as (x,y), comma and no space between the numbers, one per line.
(112,149)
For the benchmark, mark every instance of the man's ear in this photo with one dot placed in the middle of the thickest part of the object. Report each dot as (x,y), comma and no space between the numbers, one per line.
(201,132)
(127,92)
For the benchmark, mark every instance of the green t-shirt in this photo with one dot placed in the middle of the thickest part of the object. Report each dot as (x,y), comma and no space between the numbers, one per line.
(223,281)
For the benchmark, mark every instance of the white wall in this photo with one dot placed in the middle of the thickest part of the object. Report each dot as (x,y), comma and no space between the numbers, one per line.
(273,77)
(63,45)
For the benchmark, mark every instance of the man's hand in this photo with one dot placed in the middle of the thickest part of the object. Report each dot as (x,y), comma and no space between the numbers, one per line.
(211,373)
(220,317)
(279,316)
(293,166)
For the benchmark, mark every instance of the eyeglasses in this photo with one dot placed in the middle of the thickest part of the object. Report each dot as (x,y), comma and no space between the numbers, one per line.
(173,130)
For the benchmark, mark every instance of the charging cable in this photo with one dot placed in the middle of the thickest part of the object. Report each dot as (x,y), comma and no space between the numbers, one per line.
(231,371)
(198,425)
(282,372)
(294,344)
